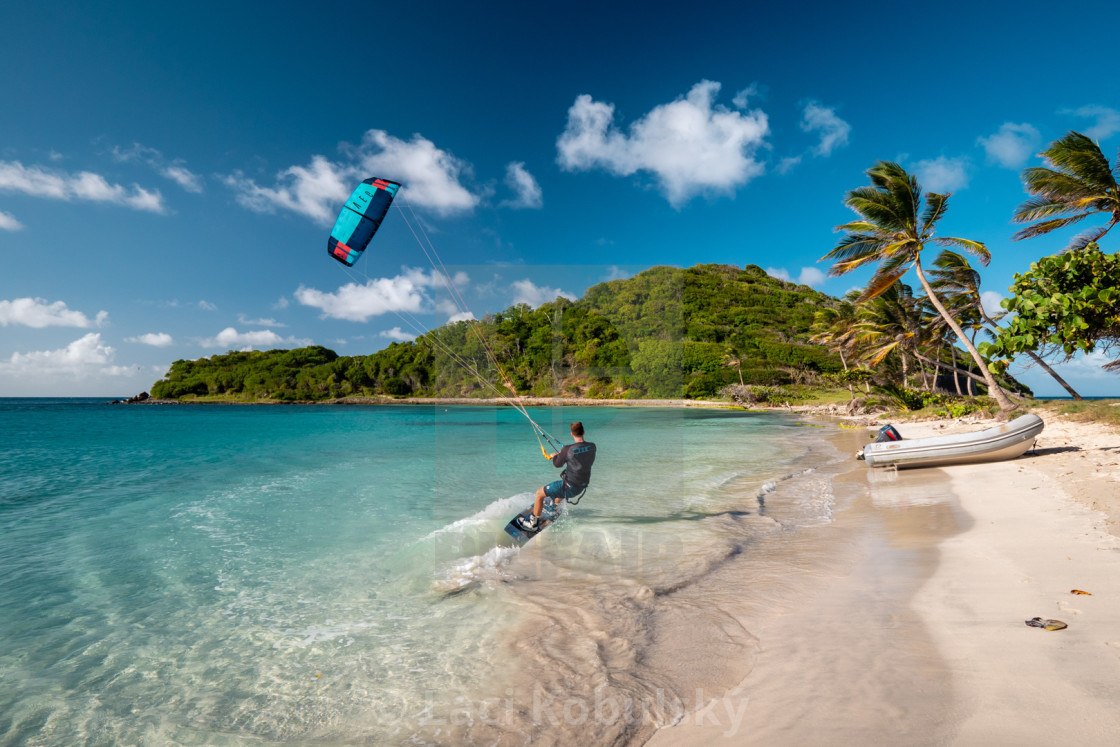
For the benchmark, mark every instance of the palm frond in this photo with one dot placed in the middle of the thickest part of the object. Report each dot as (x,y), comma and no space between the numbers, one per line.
(902,186)
(952,272)
(855,247)
(936,205)
(879,208)
(1038,229)
(1082,240)
(1041,207)
(858,226)
(897,263)
(876,355)
(975,248)
(1057,185)
(880,282)
(1078,155)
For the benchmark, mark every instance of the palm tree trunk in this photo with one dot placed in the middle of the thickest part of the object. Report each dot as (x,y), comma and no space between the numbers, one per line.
(1045,367)
(971,389)
(966,373)
(1033,356)
(956,378)
(994,389)
(844,363)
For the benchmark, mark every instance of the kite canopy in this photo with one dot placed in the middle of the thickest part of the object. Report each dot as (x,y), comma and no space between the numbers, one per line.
(360,218)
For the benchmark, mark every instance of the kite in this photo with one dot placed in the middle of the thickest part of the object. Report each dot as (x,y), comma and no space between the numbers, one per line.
(360,218)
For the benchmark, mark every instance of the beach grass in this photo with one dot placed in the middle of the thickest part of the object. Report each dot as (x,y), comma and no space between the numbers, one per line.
(1087,411)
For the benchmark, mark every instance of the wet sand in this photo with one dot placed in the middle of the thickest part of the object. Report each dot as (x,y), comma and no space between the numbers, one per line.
(915,634)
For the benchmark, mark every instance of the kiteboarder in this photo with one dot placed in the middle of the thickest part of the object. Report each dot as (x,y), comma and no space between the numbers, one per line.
(577,459)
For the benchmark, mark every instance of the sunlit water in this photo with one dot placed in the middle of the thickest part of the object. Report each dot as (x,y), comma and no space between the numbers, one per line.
(245,575)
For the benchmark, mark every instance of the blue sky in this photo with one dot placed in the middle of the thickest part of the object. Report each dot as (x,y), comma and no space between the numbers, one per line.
(169,174)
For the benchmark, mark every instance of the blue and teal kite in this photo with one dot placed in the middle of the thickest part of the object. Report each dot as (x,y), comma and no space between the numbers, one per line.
(360,218)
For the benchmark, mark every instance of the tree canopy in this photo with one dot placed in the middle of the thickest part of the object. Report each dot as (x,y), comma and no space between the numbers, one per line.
(1068,301)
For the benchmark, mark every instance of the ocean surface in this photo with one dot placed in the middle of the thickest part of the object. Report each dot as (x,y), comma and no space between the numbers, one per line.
(228,575)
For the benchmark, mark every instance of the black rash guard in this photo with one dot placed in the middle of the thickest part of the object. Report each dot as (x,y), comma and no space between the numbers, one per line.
(578,457)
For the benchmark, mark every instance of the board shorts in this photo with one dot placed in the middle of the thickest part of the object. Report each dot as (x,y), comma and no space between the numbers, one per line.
(558,489)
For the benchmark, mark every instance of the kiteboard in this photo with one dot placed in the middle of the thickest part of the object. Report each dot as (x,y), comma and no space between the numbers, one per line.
(548,515)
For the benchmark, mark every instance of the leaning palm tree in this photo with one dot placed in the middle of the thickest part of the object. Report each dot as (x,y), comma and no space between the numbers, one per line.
(955,276)
(1078,183)
(835,327)
(892,233)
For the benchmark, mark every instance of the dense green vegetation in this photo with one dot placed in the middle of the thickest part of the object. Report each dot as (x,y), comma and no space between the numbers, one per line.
(1066,302)
(667,332)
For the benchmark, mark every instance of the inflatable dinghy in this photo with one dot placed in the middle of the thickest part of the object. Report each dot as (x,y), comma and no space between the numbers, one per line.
(1004,441)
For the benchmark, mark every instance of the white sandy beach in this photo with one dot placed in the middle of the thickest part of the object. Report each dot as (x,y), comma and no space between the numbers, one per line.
(919,635)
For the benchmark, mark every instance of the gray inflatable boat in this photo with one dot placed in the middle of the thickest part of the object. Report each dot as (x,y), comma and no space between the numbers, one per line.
(1005,441)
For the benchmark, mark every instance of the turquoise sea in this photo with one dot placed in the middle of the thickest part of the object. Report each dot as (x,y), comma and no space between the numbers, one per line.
(227,575)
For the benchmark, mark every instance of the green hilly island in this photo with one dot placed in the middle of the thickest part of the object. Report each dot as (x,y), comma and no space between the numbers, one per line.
(664,333)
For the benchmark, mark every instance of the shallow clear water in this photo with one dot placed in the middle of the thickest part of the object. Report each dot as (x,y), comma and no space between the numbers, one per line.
(233,574)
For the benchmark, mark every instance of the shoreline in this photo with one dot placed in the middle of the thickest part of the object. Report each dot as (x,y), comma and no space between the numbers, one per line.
(921,639)
(469,401)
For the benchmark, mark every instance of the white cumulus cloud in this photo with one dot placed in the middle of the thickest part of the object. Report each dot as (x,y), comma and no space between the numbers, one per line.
(230,339)
(37,181)
(691,146)
(528,292)
(8,222)
(262,322)
(155,339)
(397,334)
(1107,121)
(942,174)
(182,176)
(990,301)
(833,130)
(85,355)
(1011,145)
(787,164)
(524,185)
(38,313)
(810,276)
(431,176)
(174,170)
(407,292)
(315,190)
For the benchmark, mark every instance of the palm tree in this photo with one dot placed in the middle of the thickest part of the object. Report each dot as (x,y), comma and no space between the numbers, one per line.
(891,232)
(956,276)
(890,323)
(835,328)
(732,358)
(1079,184)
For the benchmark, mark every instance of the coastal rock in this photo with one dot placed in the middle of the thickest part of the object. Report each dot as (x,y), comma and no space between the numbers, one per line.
(141,397)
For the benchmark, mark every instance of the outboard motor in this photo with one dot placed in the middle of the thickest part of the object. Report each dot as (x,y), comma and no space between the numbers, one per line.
(887,433)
